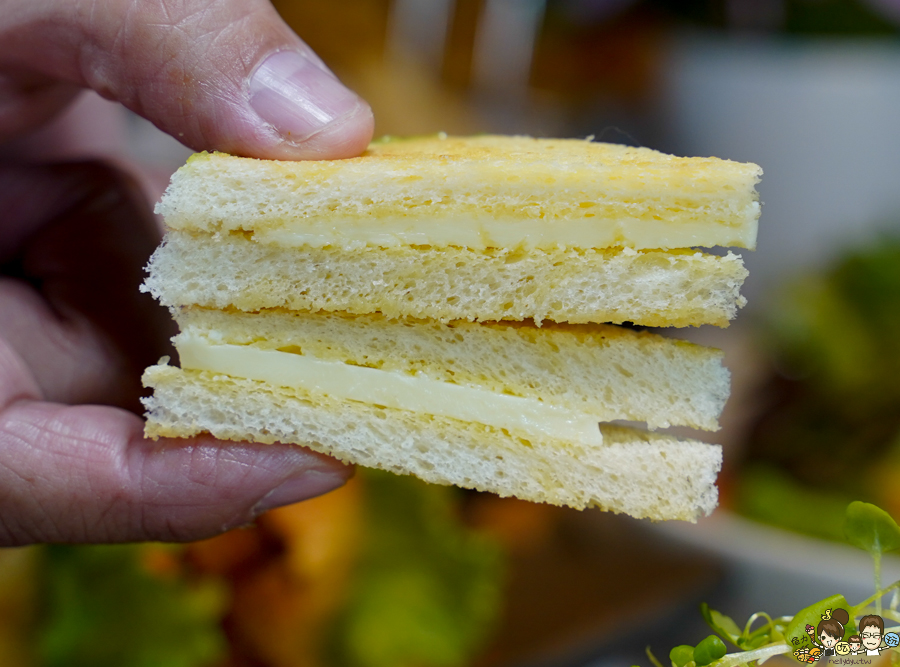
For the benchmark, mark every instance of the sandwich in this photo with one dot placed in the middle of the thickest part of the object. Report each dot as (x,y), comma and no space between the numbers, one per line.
(445,307)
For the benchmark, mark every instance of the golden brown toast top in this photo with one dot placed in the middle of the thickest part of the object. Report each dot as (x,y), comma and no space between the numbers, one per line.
(541,193)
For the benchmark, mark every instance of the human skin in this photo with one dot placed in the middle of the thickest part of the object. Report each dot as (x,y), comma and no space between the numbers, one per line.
(75,333)
(870,643)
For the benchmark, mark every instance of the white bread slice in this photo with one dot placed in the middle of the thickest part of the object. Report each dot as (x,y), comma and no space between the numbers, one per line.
(425,190)
(651,288)
(602,371)
(644,475)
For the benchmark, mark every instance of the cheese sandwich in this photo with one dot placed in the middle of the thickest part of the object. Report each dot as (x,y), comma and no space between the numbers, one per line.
(435,307)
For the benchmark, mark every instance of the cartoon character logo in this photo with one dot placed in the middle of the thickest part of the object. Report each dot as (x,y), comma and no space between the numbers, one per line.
(807,654)
(827,639)
(871,630)
(830,632)
(802,654)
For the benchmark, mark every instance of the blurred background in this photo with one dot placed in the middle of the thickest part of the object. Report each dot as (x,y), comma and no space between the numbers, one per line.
(389,571)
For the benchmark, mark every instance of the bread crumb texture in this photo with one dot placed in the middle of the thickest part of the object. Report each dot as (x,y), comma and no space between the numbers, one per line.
(651,288)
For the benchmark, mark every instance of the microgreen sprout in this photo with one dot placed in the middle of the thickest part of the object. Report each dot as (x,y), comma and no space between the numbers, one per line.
(872,529)
(867,527)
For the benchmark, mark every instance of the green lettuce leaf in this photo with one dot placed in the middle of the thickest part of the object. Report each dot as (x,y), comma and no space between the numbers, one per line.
(102,608)
(428,589)
(870,528)
(812,614)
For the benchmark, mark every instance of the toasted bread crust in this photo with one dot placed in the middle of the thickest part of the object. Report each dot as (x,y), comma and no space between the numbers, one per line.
(553,181)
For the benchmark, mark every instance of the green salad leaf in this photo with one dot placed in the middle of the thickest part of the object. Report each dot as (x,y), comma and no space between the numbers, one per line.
(681,655)
(870,528)
(831,431)
(710,649)
(867,527)
(721,623)
(769,495)
(811,615)
(428,589)
(103,608)
(746,639)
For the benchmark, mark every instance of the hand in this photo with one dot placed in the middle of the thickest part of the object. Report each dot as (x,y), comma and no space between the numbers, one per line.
(75,332)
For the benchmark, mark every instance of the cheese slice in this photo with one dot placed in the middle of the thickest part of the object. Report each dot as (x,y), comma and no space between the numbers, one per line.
(481,233)
(518,415)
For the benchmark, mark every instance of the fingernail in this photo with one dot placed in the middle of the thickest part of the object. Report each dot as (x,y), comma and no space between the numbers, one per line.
(309,484)
(299,97)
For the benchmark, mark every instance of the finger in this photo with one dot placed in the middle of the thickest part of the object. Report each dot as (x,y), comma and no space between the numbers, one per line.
(227,75)
(86,474)
(75,240)
(28,100)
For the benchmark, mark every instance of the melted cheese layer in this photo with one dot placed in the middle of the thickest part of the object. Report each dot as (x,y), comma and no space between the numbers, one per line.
(526,417)
(481,233)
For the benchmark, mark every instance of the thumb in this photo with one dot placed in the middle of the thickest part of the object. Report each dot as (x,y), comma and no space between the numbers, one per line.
(225,75)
